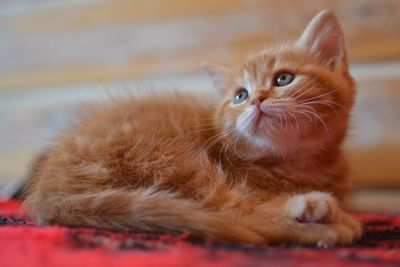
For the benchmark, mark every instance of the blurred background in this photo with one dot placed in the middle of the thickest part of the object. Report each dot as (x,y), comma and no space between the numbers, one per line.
(57,54)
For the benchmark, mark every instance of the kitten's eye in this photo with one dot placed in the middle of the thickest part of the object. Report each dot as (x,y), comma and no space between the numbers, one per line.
(240,96)
(283,78)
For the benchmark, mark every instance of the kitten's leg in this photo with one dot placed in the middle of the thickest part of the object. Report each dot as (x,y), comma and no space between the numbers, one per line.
(272,220)
(278,222)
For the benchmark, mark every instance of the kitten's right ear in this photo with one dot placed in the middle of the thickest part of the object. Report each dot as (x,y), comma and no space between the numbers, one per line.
(324,37)
(217,74)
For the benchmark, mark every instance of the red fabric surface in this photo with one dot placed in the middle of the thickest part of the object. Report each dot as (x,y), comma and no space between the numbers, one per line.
(22,244)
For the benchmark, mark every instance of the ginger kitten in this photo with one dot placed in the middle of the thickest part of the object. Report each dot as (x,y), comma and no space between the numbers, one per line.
(265,165)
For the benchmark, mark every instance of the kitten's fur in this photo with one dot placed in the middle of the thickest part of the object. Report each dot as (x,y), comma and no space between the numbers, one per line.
(227,172)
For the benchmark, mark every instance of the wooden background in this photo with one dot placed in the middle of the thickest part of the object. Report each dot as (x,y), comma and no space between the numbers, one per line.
(54,42)
(56,53)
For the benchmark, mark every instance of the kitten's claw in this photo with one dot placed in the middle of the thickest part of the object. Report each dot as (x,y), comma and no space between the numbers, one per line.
(313,207)
(323,244)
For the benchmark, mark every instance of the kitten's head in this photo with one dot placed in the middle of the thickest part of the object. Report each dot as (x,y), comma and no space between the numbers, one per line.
(292,99)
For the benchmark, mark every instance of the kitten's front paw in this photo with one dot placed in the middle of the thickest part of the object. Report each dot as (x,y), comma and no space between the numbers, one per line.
(313,207)
(344,231)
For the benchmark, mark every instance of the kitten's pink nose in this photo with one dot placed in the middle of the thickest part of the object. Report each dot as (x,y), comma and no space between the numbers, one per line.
(259,97)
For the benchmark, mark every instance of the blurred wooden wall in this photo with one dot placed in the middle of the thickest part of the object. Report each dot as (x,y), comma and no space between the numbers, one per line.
(108,40)
(44,43)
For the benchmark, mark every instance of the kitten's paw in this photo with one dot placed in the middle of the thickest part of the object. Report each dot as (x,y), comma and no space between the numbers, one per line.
(313,207)
(347,229)
(344,231)
(354,226)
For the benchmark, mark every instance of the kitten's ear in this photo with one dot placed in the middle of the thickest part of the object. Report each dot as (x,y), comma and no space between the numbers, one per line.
(217,74)
(324,37)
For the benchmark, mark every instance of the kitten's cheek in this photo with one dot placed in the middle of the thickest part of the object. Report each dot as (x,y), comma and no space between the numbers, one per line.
(244,123)
(241,125)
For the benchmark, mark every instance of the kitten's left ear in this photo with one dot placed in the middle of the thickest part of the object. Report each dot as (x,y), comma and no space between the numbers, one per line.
(217,74)
(324,37)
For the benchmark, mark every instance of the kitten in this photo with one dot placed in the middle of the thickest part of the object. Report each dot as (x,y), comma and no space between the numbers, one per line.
(264,165)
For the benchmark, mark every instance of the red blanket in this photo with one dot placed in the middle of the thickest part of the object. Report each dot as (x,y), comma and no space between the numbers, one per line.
(25,244)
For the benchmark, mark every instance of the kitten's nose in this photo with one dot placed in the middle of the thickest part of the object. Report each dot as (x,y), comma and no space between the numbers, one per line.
(259,97)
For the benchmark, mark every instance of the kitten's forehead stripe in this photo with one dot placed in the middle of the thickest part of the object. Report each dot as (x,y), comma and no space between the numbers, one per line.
(270,68)
(271,62)
(260,68)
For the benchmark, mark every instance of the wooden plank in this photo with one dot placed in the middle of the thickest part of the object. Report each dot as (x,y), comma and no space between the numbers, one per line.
(374,141)
(375,201)
(111,40)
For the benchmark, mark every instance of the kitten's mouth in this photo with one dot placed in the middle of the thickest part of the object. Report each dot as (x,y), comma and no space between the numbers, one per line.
(259,116)
(262,115)
(265,112)
(266,115)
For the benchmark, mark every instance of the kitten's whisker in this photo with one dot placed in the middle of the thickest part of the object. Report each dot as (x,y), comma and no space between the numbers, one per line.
(199,126)
(291,94)
(318,118)
(212,141)
(216,138)
(303,92)
(296,121)
(288,121)
(187,131)
(329,105)
(226,148)
(284,119)
(305,114)
(326,102)
(225,144)
(299,90)
(309,107)
(279,117)
(201,130)
(321,95)
(210,118)
(234,144)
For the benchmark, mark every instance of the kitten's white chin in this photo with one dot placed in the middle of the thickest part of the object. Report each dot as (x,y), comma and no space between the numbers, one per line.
(263,133)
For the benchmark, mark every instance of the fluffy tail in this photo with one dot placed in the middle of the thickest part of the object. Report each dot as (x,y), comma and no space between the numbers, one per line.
(142,209)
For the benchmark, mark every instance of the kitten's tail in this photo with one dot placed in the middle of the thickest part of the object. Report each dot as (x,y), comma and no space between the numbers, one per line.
(141,209)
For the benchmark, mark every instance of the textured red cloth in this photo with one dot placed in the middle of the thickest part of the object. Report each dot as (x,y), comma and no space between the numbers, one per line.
(25,244)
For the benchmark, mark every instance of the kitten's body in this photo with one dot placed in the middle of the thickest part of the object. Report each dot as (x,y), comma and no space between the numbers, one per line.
(177,162)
